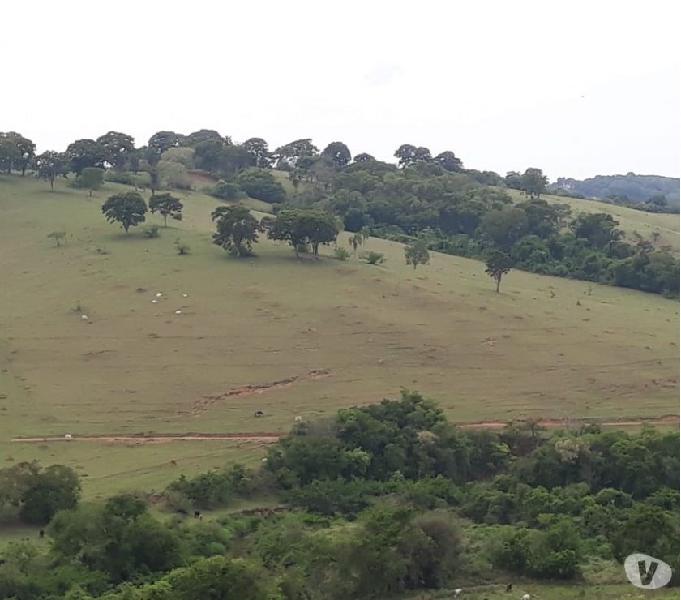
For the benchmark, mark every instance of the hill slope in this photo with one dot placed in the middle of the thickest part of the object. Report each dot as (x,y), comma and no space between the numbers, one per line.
(306,336)
(634,188)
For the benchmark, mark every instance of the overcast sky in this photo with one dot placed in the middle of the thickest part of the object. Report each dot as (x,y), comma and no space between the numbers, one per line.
(576,88)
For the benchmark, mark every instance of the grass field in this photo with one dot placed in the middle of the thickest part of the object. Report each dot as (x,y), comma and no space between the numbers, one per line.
(322,334)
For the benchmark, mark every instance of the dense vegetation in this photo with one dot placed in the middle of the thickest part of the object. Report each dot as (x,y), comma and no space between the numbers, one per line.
(430,202)
(647,192)
(377,500)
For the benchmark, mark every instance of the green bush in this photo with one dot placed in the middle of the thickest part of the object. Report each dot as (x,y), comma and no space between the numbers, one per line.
(262,185)
(227,190)
(373,258)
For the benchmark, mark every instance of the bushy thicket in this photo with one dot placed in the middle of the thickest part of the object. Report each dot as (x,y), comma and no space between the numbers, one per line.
(375,502)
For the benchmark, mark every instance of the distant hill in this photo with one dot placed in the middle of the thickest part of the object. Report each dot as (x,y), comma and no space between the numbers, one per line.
(622,189)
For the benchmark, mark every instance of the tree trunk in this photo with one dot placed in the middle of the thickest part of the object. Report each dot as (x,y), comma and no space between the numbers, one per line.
(165,220)
(498,283)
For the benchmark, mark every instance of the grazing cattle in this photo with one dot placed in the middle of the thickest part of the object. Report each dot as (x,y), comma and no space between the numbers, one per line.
(41,533)
(68,436)
(259,413)
(509,587)
(525,597)
(197,514)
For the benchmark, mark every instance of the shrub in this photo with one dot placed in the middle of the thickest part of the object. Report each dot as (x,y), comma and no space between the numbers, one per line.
(373,258)
(262,185)
(140,179)
(151,232)
(341,254)
(182,248)
(226,190)
(173,175)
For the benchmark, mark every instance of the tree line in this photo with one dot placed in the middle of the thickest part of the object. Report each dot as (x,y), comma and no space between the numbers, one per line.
(422,199)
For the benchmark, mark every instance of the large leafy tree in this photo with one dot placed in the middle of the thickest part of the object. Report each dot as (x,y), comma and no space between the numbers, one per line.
(117,147)
(449,161)
(166,205)
(236,230)
(599,229)
(127,208)
(85,153)
(50,165)
(533,182)
(160,142)
(259,150)
(289,154)
(304,227)
(203,135)
(56,488)
(497,265)
(337,153)
(16,151)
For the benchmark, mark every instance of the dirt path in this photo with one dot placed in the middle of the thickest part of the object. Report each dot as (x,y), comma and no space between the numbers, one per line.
(272,437)
(158,438)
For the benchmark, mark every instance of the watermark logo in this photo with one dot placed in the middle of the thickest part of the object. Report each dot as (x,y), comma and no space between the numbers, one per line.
(647,572)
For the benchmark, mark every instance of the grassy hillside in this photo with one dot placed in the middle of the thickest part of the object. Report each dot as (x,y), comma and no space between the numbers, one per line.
(630,220)
(313,335)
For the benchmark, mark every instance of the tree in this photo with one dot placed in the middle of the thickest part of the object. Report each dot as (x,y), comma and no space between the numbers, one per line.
(416,253)
(85,153)
(237,230)
(358,239)
(16,151)
(259,150)
(221,578)
(504,227)
(498,264)
(599,229)
(363,157)
(533,182)
(287,156)
(126,208)
(56,488)
(168,206)
(91,179)
(9,152)
(159,143)
(203,135)
(51,164)
(262,185)
(337,153)
(303,227)
(448,161)
(116,147)
(405,155)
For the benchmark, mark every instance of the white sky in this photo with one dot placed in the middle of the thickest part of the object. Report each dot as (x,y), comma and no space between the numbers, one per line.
(574,87)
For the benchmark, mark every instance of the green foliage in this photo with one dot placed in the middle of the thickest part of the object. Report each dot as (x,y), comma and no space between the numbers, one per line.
(90,178)
(261,184)
(237,230)
(226,190)
(117,148)
(50,165)
(126,208)
(341,254)
(497,265)
(182,247)
(416,253)
(302,228)
(167,205)
(373,258)
(151,232)
(37,494)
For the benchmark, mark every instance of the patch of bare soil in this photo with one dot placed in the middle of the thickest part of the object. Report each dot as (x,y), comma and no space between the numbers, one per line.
(257,388)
